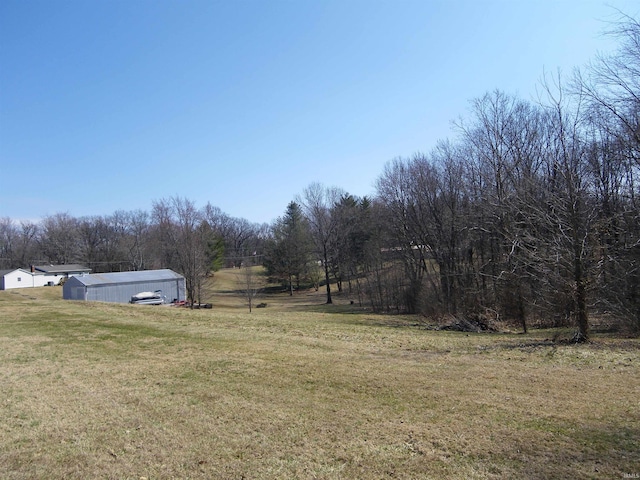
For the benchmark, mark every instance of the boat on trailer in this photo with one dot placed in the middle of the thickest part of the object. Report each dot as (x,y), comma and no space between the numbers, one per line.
(148,298)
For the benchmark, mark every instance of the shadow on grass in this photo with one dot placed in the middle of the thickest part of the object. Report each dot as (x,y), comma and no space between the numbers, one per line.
(331,308)
(601,451)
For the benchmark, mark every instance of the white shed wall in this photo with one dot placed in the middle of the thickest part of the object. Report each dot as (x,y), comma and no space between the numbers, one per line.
(17,279)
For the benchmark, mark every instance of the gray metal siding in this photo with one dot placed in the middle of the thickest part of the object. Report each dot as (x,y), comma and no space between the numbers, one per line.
(80,293)
(119,288)
(73,290)
(123,292)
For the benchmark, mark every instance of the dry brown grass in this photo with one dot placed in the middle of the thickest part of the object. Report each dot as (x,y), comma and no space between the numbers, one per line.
(126,392)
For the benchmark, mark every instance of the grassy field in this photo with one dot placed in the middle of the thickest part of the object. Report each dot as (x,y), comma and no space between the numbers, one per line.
(298,390)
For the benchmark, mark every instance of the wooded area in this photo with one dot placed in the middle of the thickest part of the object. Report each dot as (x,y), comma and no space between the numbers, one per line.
(530,212)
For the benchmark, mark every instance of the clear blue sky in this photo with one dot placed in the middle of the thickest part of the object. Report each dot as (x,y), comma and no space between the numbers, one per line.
(108,105)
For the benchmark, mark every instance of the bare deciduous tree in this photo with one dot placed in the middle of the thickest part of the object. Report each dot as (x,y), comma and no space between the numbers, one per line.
(59,241)
(183,241)
(317,202)
(251,282)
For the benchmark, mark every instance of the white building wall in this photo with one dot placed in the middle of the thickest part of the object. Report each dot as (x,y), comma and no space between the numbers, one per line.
(44,280)
(18,279)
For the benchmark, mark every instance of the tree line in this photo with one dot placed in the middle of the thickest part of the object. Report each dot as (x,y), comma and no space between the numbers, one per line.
(529,213)
(175,234)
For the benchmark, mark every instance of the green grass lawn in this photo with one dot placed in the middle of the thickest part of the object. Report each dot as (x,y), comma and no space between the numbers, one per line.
(112,391)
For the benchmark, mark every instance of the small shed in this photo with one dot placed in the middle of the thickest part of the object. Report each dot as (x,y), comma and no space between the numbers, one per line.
(119,287)
(16,278)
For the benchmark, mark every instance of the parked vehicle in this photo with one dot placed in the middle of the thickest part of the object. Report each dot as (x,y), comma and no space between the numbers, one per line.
(149,298)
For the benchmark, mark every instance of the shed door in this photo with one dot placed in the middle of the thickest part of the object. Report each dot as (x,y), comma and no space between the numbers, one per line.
(78,293)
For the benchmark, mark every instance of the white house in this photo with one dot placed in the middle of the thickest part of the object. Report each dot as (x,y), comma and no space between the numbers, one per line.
(39,276)
(16,278)
(54,274)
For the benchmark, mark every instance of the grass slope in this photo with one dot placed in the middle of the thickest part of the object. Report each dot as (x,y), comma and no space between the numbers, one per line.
(95,390)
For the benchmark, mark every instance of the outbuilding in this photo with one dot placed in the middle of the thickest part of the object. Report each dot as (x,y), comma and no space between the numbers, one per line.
(16,278)
(39,276)
(119,287)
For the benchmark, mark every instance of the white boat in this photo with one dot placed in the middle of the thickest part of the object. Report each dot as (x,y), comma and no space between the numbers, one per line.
(148,298)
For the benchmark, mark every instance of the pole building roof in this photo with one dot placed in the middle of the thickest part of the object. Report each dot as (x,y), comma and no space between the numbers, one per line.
(127,277)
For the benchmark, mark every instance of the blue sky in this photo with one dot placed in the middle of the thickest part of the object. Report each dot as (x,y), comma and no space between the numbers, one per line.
(109,105)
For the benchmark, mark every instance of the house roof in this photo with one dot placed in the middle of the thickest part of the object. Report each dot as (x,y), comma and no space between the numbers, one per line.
(127,277)
(57,269)
(5,272)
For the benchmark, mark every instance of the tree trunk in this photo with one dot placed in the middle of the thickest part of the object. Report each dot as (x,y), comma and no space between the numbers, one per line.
(582,335)
(522,316)
(326,277)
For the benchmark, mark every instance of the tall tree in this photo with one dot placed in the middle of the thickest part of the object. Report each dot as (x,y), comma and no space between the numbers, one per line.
(316,202)
(394,190)
(610,86)
(570,213)
(101,242)
(504,139)
(289,251)
(59,239)
(240,237)
(354,231)
(26,249)
(184,241)
(8,239)
(136,239)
